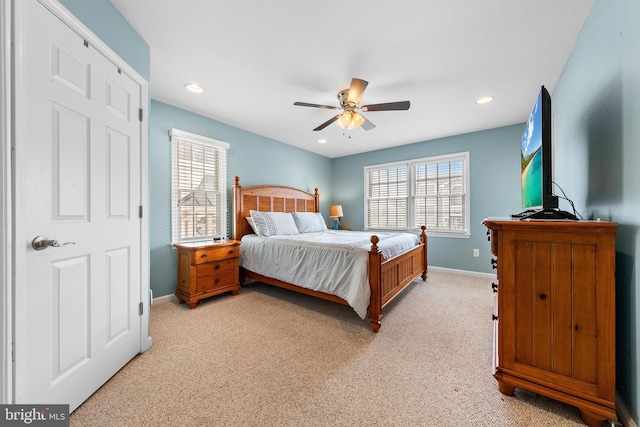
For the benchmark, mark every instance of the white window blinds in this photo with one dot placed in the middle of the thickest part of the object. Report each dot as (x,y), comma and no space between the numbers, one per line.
(387,200)
(439,191)
(429,191)
(199,187)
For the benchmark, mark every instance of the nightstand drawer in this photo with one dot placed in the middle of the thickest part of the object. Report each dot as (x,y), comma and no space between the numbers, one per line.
(207,255)
(209,283)
(215,267)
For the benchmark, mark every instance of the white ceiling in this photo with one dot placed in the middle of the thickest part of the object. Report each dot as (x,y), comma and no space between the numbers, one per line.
(255,58)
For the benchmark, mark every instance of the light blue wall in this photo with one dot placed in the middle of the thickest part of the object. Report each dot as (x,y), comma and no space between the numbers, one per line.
(596,108)
(104,20)
(255,159)
(494,159)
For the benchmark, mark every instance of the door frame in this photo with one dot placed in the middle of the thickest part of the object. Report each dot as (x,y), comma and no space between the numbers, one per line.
(10,231)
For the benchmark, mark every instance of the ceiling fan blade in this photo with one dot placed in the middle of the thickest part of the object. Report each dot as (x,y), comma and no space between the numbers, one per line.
(387,106)
(328,122)
(306,104)
(367,125)
(356,90)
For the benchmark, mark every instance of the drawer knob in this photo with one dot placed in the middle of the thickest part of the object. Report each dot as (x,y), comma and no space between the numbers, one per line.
(494,317)
(203,256)
(231,252)
(494,263)
(216,267)
(217,280)
(494,286)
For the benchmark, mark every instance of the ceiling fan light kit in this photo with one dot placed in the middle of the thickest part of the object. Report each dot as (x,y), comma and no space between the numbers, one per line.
(350,118)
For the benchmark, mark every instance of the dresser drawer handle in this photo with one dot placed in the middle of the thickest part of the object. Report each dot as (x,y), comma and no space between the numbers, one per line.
(494,317)
(203,256)
(216,267)
(217,280)
(231,252)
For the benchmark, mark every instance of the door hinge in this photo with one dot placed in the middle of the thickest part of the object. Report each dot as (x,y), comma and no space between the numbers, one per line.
(140,211)
(141,114)
(141,308)
(86,43)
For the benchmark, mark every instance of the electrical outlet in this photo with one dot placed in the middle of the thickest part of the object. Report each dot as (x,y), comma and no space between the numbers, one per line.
(476,252)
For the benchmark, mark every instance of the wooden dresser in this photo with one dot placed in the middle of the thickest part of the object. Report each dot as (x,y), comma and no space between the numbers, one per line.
(554,321)
(205,270)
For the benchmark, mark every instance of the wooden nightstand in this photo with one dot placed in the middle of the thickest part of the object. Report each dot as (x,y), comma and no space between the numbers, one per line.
(205,270)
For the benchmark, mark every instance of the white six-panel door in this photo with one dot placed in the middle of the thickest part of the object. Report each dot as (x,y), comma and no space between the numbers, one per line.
(78,144)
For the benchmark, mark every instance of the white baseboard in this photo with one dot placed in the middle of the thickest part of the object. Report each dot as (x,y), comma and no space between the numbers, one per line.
(165,298)
(623,413)
(463,272)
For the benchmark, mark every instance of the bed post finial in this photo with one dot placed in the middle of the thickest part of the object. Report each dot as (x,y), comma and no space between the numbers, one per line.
(374,243)
(236,180)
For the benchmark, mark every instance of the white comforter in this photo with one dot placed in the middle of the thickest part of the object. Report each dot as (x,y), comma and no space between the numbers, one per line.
(332,261)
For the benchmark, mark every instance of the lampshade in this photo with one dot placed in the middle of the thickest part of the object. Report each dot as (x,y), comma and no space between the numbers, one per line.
(335,211)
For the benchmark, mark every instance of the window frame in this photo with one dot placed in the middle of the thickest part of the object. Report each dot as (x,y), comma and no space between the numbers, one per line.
(411,196)
(220,177)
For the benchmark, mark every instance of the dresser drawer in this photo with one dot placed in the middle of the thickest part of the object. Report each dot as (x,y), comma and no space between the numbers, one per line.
(206,255)
(209,283)
(217,267)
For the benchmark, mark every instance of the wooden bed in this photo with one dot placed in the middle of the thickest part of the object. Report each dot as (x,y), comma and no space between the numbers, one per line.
(387,277)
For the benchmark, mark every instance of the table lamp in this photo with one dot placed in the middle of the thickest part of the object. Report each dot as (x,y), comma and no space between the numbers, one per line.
(335,212)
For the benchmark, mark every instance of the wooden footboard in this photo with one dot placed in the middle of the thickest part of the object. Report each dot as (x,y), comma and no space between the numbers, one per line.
(387,277)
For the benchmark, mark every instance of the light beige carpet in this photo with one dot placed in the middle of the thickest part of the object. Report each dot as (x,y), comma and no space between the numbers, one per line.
(271,357)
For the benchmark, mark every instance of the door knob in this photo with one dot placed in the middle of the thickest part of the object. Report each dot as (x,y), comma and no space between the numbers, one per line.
(41,242)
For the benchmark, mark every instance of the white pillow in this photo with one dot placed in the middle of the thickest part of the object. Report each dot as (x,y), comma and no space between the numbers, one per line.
(309,222)
(250,221)
(273,223)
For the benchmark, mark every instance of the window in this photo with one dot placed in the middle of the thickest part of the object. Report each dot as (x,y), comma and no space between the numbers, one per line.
(198,187)
(430,191)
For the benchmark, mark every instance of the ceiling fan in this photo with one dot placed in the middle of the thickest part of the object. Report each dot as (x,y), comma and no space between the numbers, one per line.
(350,118)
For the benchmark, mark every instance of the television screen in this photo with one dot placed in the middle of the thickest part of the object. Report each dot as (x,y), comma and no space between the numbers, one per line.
(536,174)
(531,159)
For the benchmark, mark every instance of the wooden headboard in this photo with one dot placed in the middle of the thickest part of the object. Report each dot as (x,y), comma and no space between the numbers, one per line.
(268,198)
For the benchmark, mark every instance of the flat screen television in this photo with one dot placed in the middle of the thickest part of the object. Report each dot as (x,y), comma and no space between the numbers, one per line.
(538,200)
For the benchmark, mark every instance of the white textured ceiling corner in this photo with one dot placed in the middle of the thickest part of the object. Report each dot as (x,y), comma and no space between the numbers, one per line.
(255,58)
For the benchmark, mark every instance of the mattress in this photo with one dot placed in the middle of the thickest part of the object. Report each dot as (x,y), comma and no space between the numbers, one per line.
(331,261)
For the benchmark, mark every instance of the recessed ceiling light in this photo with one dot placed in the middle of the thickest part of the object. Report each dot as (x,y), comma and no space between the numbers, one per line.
(322,141)
(484,100)
(194,87)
